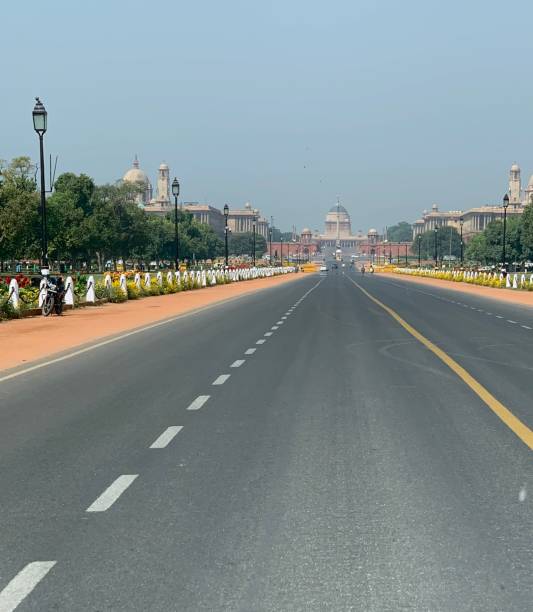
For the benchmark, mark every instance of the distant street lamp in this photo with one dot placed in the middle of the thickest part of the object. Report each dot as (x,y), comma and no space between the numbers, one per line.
(461,222)
(505,205)
(281,250)
(270,231)
(175,193)
(226,213)
(436,253)
(40,122)
(406,256)
(419,238)
(254,221)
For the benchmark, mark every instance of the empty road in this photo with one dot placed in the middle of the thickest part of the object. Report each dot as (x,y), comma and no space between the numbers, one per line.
(297,449)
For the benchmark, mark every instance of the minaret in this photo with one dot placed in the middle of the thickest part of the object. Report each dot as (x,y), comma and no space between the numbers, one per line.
(163,185)
(515,190)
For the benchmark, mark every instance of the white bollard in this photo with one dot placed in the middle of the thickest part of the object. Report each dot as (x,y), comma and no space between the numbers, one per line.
(523,281)
(177,276)
(122,284)
(169,277)
(90,295)
(108,282)
(69,291)
(508,281)
(204,279)
(137,280)
(515,281)
(147,280)
(14,297)
(159,278)
(42,291)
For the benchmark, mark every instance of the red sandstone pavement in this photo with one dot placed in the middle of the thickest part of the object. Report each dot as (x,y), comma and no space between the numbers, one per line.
(30,339)
(514,296)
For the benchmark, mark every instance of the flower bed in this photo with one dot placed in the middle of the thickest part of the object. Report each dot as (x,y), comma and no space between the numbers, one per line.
(516,280)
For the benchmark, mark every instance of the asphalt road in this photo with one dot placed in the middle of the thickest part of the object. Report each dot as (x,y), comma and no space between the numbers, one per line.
(341,466)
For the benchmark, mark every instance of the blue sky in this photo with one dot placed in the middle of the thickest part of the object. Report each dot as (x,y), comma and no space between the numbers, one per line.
(391,105)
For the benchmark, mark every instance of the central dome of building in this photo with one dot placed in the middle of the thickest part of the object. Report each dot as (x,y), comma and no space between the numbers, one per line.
(136,175)
(338,208)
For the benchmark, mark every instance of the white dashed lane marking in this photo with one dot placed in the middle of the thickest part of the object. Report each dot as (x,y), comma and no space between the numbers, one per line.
(250,351)
(267,334)
(220,380)
(262,341)
(509,321)
(198,402)
(279,323)
(112,493)
(274,327)
(499,317)
(167,436)
(23,584)
(238,363)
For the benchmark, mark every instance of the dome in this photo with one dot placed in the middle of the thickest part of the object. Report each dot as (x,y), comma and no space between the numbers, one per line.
(248,206)
(306,230)
(435,208)
(135,174)
(338,207)
(515,167)
(163,166)
(372,232)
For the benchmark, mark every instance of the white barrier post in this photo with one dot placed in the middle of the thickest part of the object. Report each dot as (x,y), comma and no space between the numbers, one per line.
(14,297)
(508,281)
(159,278)
(69,291)
(91,295)
(515,281)
(42,291)
(108,282)
(123,286)
(147,280)
(169,277)
(137,280)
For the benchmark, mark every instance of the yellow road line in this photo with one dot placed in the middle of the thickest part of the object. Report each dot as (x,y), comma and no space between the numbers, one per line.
(515,424)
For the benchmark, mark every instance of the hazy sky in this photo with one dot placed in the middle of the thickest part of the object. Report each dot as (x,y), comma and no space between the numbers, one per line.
(392,105)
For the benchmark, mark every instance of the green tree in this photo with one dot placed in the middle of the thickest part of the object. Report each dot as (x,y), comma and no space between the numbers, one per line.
(526,238)
(486,248)
(242,244)
(79,187)
(401,232)
(448,243)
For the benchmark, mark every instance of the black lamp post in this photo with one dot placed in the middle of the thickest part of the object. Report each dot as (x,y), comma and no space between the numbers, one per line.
(419,238)
(254,221)
(281,249)
(270,243)
(461,221)
(40,121)
(175,193)
(436,253)
(406,256)
(505,205)
(226,213)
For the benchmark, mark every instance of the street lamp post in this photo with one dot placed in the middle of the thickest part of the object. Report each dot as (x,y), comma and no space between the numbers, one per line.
(254,221)
(505,205)
(419,238)
(436,253)
(406,256)
(175,193)
(281,249)
(226,213)
(461,221)
(40,122)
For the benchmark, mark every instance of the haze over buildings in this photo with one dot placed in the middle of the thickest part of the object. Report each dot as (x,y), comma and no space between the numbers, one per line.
(284,104)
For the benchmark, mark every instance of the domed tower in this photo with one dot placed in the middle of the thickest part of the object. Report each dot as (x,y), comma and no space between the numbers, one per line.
(338,222)
(515,189)
(306,236)
(372,236)
(163,185)
(138,177)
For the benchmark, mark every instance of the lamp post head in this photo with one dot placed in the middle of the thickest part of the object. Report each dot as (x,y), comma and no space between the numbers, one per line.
(226,210)
(40,117)
(461,221)
(506,200)
(175,187)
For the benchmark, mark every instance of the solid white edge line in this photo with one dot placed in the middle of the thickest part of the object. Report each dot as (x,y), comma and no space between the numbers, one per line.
(198,402)
(133,332)
(112,493)
(167,436)
(220,380)
(19,587)
(237,363)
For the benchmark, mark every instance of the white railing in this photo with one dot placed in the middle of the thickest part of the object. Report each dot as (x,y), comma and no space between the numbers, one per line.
(184,280)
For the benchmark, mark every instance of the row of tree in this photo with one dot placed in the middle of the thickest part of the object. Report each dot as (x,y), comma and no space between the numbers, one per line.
(89,222)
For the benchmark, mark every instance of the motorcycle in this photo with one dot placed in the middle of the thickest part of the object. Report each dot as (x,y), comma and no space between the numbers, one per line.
(53,297)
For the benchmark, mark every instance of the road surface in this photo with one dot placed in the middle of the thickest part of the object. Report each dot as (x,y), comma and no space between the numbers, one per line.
(297,449)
